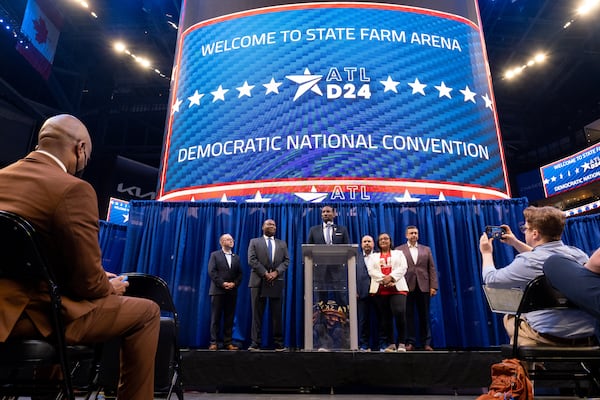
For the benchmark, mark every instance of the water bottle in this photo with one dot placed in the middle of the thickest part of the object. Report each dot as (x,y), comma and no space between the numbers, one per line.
(101,396)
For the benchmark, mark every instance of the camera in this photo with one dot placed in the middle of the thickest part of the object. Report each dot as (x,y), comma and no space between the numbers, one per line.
(495,232)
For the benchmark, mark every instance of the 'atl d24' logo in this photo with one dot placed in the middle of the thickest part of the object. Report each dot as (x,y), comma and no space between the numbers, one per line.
(356,86)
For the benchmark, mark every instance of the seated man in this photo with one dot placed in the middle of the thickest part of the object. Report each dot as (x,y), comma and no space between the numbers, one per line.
(580,283)
(543,228)
(45,189)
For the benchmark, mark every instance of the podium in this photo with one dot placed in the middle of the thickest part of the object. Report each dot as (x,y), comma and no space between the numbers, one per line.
(330,318)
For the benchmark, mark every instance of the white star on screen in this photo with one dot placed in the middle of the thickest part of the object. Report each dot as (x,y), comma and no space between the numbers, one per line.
(444,90)
(417,87)
(390,85)
(306,82)
(175,106)
(245,90)
(219,94)
(195,99)
(586,166)
(272,86)
(469,96)
(488,101)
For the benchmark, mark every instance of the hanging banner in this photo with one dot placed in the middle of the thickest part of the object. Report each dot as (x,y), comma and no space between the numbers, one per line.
(331,101)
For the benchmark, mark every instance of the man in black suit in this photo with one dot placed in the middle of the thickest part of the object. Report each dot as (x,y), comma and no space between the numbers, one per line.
(269,259)
(225,271)
(328,232)
(328,277)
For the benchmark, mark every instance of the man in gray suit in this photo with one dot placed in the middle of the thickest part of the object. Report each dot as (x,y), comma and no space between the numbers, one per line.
(269,259)
(421,278)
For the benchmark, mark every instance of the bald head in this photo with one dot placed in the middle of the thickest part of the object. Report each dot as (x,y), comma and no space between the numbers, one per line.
(67,138)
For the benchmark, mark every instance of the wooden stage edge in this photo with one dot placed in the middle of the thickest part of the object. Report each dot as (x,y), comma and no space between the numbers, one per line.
(440,371)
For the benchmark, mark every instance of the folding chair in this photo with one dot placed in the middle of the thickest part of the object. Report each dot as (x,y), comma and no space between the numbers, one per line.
(167,373)
(26,364)
(562,363)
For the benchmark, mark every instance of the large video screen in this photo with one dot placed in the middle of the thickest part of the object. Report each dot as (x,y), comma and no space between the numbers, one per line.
(331,101)
(572,172)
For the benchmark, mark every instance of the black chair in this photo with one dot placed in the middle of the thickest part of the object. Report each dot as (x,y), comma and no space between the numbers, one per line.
(167,373)
(560,363)
(25,364)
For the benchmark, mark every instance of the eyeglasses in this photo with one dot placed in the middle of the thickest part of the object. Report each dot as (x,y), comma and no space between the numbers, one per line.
(523,228)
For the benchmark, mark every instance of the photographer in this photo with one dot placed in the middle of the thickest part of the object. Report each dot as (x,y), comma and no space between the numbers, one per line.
(543,228)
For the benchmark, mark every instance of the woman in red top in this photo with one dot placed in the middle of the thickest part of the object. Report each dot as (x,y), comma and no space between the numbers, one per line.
(389,288)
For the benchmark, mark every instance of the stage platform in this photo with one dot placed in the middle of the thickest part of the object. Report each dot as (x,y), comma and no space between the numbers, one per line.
(452,372)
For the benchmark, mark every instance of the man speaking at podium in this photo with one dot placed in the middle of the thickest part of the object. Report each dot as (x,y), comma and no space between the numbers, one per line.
(330,284)
(326,276)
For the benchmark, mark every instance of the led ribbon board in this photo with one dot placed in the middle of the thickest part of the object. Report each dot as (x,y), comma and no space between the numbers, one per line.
(571,172)
(331,101)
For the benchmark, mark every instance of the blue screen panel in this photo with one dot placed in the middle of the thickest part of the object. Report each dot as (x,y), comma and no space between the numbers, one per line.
(571,172)
(332,101)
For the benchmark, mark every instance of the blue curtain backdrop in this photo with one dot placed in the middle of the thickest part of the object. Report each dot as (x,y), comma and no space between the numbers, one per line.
(174,241)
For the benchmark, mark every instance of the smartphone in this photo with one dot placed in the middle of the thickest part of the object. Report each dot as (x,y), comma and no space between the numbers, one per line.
(495,232)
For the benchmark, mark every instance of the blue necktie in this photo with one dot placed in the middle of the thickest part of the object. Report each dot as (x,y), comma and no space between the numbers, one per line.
(270,249)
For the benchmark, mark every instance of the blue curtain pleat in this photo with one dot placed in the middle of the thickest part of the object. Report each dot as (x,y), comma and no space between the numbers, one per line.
(174,241)
(112,238)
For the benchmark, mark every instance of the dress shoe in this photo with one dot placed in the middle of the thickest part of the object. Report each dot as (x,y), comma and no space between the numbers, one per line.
(254,347)
(213,346)
(232,347)
(410,347)
(428,348)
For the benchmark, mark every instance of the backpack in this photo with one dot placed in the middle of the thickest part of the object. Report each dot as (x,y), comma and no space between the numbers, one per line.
(509,381)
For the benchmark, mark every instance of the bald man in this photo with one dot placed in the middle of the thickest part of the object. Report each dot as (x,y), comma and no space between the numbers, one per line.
(44,188)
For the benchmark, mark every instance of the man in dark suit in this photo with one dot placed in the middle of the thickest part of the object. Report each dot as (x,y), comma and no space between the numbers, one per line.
(225,271)
(328,232)
(421,278)
(328,277)
(363,300)
(44,188)
(269,259)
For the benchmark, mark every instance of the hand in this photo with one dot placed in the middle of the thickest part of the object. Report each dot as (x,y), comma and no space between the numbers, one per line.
(110,275)
(485,244)
(387,281)
(508,237)
(432,292)
(119,284)
(228,285)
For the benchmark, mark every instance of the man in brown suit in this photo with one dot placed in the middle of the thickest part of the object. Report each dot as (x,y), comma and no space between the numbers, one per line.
(44,189)
(421,278)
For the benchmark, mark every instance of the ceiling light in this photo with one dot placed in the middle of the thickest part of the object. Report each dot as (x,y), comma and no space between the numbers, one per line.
(143,61)
(587,6)
(540,57)
(119,47)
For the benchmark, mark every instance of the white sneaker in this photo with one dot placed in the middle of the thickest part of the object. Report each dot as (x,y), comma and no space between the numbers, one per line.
(390,349)
(401,348)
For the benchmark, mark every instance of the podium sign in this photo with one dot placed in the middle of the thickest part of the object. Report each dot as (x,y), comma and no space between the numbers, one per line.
(330,318)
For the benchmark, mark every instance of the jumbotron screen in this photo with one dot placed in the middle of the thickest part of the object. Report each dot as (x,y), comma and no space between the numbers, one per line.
(331,101)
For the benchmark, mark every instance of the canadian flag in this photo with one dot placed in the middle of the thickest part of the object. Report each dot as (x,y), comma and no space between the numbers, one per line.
(41,25)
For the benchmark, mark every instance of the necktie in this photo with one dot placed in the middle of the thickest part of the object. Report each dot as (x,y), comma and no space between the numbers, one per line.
(328,233)
(270,249)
